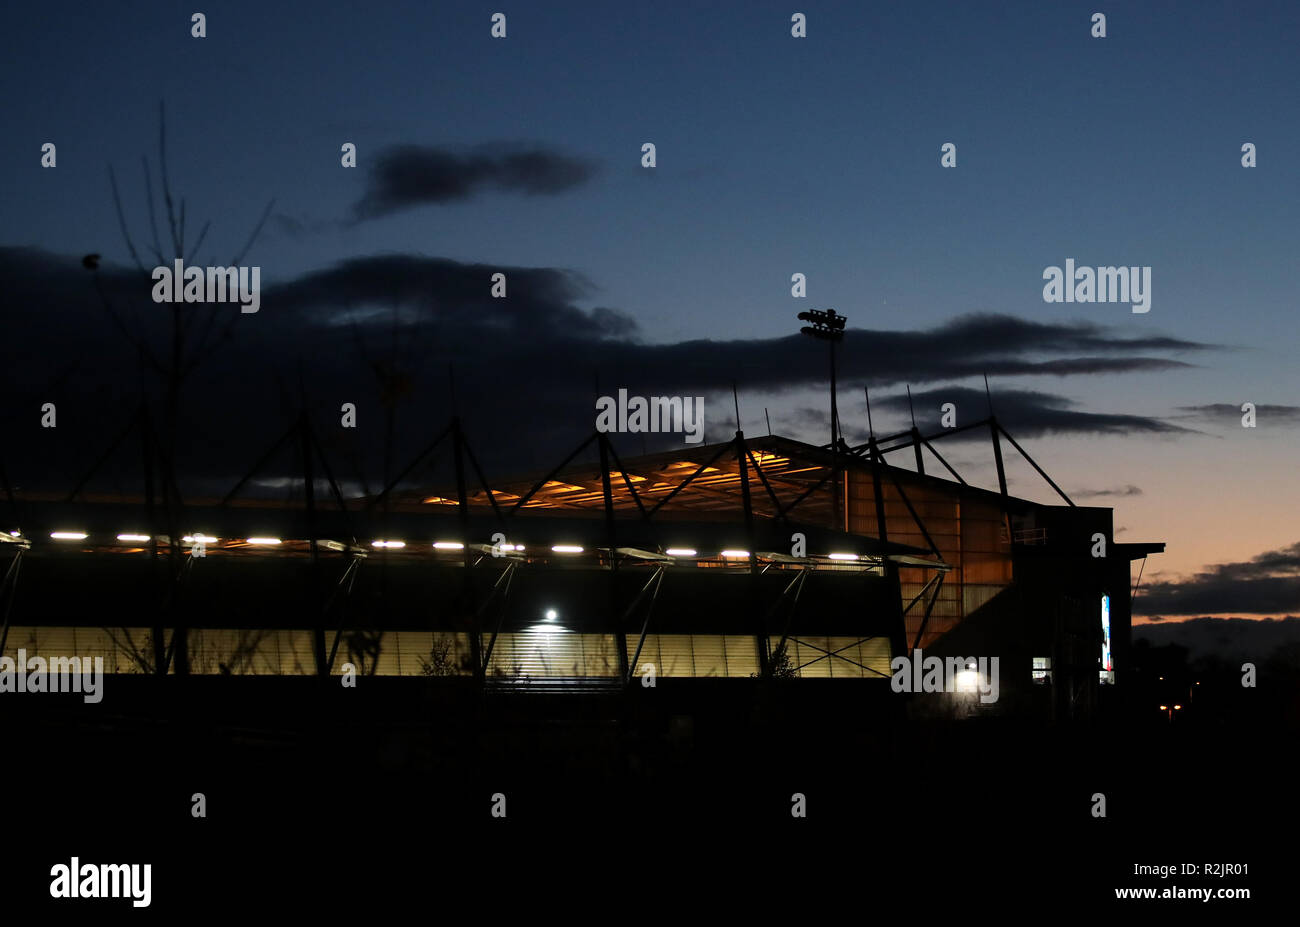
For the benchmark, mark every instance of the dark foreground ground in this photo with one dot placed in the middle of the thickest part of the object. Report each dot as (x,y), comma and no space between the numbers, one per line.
(668,804)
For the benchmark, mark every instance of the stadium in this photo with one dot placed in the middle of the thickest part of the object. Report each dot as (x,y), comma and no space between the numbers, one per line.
(756,557)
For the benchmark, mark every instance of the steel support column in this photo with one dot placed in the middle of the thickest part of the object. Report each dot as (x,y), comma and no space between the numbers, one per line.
(462,509)
(751,541)
(309,490)
(611,541)
(898,636)
(9,592)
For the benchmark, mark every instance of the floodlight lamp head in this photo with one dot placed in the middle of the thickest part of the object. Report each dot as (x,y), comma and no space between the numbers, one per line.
(826,324)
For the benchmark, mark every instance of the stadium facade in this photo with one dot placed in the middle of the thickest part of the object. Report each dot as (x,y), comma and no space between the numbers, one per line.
(756,557)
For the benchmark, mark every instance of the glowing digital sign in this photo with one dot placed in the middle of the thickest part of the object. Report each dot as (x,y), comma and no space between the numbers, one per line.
(1107,666)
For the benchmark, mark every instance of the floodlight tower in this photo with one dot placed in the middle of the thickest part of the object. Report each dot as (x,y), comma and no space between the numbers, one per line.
(828,325)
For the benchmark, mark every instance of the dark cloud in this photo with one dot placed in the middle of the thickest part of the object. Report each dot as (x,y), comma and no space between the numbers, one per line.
(455,296)
(1009,336)
(1227,413)
(1025,413)
(409,175)
(1129,490)
(1240,638)
(1268,584)
(393,332)
(297,227)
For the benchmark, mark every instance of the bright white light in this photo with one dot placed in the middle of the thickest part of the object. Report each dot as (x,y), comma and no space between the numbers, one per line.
(567,549)
(681,552)
(263,540)
(133,537)
(967,681)
(547,629)
(551,614)
(201,538)
(388,544)
(844,556)
(735,554)
(448,545)
(68,535)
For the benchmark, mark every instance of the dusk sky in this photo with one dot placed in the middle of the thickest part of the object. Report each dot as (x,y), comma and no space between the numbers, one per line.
(775,156)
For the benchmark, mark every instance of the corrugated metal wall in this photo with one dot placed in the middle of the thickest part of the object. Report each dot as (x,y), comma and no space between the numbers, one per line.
(967,530)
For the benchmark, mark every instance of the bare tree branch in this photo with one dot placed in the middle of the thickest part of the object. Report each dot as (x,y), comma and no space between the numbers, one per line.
(203,233)
(166,183)
(121,221)
(257,230)
(136,654)
(153,220)
(113,314)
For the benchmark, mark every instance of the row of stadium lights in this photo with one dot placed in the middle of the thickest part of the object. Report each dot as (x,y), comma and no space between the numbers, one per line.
(438,545)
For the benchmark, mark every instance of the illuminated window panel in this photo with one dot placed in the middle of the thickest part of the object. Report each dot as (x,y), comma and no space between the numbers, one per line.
(742,655)
(710,655)
(675,655)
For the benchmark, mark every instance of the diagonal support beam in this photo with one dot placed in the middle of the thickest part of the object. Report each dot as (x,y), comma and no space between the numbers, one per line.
(680,486)
(636,497)
(766,485)
(1034,464)
(827,654)
(948,466)
(553,474)
(912,511)
(451,426)
(261,462)
(796,585)
(478,471)
(76,490)
(506,577)
(344,585)
(657,579)
(924,590)
(335,491)
(946,433)
(783,513)
(928,608)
